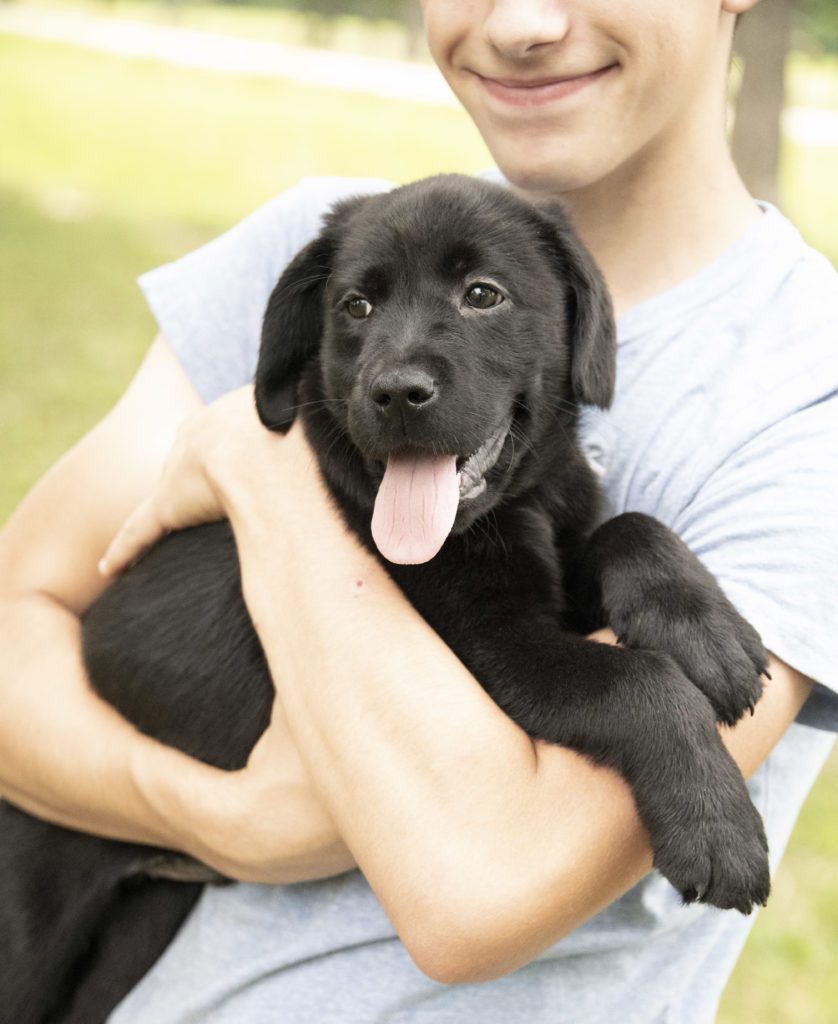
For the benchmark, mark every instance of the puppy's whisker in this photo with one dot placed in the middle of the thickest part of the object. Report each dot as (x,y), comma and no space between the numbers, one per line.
(301,283)
(488,527)
(493,518)
(334,437)
(517,434)
(334,433)
(319,401)
(572,441)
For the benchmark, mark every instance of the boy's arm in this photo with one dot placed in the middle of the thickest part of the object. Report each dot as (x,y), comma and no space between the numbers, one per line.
(483,847)
(64,754)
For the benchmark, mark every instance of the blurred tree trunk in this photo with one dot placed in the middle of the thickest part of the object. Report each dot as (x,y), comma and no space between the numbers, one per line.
(320,16)
(762,42)
(414,27)
(173,9)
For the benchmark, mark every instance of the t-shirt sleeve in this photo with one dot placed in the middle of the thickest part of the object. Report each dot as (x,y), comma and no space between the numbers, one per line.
(210,303)
(766,525)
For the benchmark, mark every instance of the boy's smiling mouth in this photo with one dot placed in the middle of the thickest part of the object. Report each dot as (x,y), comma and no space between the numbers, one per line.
(539,91)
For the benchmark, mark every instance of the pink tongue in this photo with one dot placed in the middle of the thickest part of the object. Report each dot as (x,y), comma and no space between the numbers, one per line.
(415,507)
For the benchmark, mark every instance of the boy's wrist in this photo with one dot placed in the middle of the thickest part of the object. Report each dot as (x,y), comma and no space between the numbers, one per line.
(167,786)
(264,829)
(179,802)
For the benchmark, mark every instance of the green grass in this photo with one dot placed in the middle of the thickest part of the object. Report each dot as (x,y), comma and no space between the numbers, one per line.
(110,167)
(810,198)
(200,147)
(115,167)
(787,972)
(72,330)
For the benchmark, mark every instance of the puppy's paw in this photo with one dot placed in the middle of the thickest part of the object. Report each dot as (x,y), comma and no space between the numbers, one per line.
(721,858)
(717,650)
(723,656)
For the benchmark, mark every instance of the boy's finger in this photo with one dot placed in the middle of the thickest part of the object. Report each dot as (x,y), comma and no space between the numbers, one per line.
(139,531)
(605,636)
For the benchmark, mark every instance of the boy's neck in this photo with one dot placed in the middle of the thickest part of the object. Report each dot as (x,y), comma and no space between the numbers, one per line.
(654,225)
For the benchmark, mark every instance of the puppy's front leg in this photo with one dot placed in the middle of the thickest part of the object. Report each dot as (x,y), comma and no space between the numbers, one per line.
(639,578)
(636,712)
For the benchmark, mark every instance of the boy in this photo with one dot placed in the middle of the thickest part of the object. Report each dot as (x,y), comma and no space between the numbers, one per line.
(484,849)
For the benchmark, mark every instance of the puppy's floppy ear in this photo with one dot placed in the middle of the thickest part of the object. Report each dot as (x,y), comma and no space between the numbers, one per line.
(593,366)
(293,322)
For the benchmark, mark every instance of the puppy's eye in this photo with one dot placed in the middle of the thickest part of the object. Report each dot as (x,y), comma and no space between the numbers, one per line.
(483,296)
(359,308)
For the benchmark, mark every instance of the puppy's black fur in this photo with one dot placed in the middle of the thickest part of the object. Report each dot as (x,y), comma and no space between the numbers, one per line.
(522,574)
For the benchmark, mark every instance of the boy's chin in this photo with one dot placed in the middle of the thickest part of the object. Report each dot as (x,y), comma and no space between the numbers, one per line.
(540,183)
(548,173)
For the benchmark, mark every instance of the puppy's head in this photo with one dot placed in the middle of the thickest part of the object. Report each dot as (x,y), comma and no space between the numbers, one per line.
(451,328)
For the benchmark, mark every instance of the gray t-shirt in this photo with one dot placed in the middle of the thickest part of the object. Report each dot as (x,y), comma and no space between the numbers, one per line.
(725,427)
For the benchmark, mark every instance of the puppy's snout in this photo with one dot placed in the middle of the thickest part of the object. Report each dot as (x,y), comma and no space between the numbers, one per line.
(406,389)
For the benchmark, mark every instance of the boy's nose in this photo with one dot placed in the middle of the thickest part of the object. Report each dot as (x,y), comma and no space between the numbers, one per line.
(517,28)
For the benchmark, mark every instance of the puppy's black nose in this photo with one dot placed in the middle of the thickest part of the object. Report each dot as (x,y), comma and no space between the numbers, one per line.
(403,389)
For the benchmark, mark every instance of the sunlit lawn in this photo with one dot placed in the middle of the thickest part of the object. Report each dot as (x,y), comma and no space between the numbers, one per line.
(108,168)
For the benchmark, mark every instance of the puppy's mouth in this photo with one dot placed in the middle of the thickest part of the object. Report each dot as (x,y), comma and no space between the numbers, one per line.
(421,493)
(471,471)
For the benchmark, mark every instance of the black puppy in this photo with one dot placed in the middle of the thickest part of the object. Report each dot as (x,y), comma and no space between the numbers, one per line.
(436,340)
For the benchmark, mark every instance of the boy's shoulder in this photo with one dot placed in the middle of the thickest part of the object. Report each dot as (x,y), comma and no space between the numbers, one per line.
(783,318)
(769,283)
(744,354)
(751,338)
(799,278)
(296,214)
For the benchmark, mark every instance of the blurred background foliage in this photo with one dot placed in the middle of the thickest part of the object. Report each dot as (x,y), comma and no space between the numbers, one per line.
(817,23)
(109,167)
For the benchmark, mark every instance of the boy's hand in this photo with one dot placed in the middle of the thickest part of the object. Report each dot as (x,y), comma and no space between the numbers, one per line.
(188,491)
(264,823)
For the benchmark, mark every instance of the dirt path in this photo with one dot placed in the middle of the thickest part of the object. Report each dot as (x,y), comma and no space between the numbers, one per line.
(212,51)
(394,79)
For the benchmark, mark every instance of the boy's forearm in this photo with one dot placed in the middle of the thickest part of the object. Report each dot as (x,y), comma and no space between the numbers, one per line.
(66,755)
(483,847)
(413,759)
(69,758)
